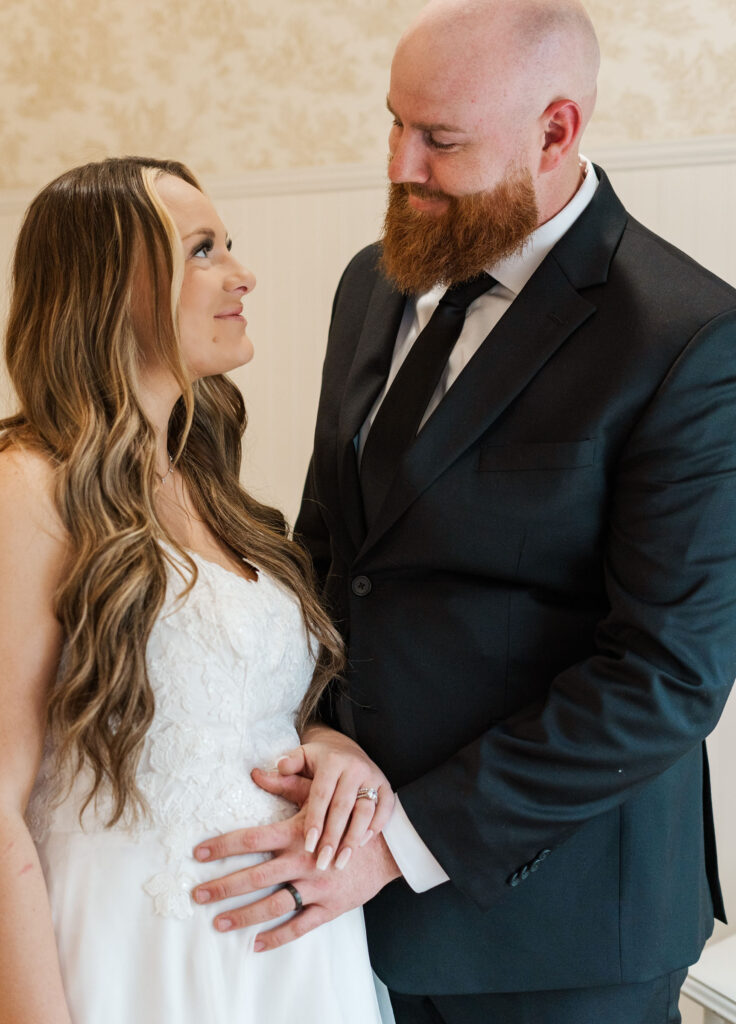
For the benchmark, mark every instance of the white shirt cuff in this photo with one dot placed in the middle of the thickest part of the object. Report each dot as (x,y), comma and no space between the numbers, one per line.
(420,868)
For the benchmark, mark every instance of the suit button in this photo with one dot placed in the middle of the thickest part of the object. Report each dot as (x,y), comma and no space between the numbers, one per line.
(534,866)
(543,854)
(361,586)
(514,880)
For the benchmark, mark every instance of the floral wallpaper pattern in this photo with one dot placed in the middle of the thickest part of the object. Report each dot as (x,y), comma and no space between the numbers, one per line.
(238,85)
(668,70)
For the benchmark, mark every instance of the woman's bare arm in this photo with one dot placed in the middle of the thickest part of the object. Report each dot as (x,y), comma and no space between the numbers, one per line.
(32,551)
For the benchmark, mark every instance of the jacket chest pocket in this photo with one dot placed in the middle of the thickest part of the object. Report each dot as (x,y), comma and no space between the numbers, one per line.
(536,480)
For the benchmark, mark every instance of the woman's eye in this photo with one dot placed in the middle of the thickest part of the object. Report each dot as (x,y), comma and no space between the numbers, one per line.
(203,250)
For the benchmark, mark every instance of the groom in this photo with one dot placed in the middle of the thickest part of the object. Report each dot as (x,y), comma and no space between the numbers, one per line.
(529,539)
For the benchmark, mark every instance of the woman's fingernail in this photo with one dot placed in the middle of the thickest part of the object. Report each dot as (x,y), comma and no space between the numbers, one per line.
(202,896)
(367,837)
(310,843)
(324,858)
(259,946)
(343,857)
(202,853)
(223,924)
(284,757)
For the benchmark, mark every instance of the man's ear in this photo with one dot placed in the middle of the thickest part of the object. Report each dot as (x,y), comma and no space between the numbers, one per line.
(562,123)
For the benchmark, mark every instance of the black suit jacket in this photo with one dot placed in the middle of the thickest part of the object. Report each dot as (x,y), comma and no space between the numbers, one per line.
(542,620)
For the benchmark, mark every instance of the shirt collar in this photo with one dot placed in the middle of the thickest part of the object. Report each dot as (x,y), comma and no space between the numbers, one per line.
(514,272)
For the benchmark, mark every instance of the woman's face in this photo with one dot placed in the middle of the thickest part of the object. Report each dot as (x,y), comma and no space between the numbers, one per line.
(211,322)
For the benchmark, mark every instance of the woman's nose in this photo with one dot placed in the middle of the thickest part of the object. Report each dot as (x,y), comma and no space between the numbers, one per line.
(240,279)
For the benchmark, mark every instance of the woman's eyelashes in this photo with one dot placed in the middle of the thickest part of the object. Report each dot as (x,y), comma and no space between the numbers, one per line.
(204,248)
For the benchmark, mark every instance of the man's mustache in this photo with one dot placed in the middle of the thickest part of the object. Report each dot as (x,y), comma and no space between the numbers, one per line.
(412,188)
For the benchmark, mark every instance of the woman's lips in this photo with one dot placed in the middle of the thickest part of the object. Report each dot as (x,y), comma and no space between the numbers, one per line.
(234,314)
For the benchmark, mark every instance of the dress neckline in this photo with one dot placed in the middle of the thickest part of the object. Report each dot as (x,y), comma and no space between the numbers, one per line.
(209,561)
(230,572)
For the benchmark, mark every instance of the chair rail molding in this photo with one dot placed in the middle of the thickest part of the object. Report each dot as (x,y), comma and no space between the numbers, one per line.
(703,151)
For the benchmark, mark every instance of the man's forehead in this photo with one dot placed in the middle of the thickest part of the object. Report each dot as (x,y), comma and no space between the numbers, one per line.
(453,104)
(444,88)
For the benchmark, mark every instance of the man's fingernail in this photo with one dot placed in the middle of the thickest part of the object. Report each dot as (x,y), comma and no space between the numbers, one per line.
(202,896)
(324,858)
(223,924)
(259,946)
(367,837)
(343,858)
(202,853)
(310,843)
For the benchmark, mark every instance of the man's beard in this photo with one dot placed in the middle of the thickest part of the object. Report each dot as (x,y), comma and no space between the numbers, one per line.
(474,231)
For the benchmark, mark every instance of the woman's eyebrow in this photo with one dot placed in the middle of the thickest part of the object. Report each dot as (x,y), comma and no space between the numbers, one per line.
(200,231)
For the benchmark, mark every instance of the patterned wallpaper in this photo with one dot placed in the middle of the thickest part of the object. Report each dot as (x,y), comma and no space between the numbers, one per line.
(668,70)
(236,85)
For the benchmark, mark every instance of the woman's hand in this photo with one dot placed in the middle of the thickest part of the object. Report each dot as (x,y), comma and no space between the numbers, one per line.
(336,819)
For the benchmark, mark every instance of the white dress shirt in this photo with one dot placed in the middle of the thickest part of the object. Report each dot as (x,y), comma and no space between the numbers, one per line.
(419,867)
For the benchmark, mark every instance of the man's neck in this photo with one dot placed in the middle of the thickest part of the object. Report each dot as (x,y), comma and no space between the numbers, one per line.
(563,188)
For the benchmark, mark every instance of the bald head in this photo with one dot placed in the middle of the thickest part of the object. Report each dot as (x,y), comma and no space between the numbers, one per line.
(515,78)
(545,50)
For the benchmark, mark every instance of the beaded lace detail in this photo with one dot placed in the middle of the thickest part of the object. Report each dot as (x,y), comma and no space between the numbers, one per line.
(229,665)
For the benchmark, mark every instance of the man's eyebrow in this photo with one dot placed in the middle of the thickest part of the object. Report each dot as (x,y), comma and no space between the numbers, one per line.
(438,127)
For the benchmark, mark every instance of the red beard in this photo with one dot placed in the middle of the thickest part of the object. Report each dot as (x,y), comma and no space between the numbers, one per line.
(470,235)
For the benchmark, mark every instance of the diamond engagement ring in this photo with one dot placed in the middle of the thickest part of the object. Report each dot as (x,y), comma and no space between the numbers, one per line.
(367,793)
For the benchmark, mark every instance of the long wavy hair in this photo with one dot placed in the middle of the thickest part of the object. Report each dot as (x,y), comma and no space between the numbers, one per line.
(73,357)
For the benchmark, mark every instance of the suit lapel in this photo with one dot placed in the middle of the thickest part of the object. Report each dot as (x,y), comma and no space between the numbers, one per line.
(366,377)
(544,315)
(518,347)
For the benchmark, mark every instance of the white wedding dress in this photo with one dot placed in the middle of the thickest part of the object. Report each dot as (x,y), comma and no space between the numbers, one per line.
(228,666)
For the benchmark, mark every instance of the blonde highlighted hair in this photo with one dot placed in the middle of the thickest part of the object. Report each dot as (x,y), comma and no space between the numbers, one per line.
(73,356)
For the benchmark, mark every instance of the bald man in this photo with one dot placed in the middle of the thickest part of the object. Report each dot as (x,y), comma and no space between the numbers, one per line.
(538,587)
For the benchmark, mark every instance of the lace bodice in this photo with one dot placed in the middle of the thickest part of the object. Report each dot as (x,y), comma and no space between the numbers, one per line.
(229,665)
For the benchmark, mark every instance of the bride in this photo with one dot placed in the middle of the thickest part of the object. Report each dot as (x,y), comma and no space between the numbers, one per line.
(159,635)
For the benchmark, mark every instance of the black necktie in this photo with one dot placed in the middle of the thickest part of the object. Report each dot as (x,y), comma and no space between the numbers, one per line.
(398,418)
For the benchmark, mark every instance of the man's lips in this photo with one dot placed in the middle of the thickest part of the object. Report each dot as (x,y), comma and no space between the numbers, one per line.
(426,203)
(428,200)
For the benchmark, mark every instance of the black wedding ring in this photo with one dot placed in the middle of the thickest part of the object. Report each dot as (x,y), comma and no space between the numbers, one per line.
(298,902)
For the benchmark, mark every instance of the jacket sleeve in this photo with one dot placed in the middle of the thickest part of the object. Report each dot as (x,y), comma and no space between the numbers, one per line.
(665,652)
(310,529)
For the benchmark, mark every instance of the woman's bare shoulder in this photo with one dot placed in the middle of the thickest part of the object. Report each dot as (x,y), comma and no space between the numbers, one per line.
(27,484)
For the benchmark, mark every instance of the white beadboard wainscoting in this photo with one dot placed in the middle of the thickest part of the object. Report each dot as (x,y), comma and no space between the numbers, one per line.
(297,229)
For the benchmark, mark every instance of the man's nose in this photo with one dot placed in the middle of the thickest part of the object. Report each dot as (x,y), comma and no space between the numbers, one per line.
(408,160)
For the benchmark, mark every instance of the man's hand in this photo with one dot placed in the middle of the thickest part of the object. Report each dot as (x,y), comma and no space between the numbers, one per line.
(325,893)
